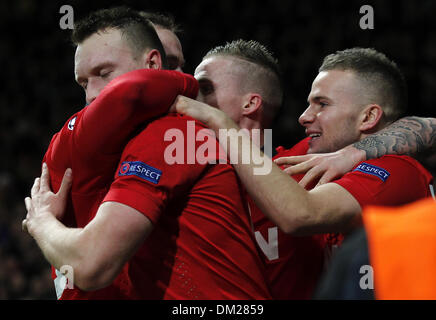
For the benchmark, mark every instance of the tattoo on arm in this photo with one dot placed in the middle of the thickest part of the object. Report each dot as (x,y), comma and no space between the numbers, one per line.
(409,135)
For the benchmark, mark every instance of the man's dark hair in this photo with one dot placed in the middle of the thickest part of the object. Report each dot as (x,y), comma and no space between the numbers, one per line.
(163,20)
(261,69)
(138,31)
(383,82)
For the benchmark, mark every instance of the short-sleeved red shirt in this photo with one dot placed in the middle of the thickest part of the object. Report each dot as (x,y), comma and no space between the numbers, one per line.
(91,143)
(202,245)
(294,264)
(390,180)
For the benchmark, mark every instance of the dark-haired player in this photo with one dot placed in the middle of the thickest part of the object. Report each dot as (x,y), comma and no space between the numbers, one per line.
(159,231)
(167,31)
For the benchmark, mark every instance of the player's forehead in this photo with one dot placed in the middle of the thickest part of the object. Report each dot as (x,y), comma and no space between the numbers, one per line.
(106,46)
(172,46)
(215,66)
(170,41)
(334,84)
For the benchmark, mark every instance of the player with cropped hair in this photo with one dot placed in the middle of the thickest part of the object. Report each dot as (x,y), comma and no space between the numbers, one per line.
(142,229)
(245,111)
(351,98)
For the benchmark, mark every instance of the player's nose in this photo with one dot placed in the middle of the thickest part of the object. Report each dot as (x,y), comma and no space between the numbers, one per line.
(91,93)
(89,99)
(307,117)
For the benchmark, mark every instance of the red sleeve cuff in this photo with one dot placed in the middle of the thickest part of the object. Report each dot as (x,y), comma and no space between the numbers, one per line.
(135,200)
(357,190)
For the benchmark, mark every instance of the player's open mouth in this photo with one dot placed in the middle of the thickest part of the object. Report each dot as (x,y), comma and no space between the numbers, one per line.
(314,135)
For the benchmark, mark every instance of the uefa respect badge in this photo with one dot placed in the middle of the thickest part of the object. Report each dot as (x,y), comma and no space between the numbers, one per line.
(141,170)
(373,170)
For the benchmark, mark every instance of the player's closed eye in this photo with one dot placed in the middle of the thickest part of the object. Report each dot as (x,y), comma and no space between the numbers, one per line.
(105,74)
(206,89)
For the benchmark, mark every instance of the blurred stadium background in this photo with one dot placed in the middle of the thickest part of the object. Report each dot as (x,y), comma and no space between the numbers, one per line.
(38,92)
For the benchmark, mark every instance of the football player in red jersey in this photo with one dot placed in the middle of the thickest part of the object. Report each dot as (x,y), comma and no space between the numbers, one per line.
(159,231)
(252,113)
(357,92)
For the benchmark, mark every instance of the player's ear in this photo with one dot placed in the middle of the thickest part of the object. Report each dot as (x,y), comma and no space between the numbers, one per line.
(152,59)
(370,118)
(251,103)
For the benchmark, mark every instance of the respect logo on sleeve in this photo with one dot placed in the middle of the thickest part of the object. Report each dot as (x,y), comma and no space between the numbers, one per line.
(141,170)
(373,170)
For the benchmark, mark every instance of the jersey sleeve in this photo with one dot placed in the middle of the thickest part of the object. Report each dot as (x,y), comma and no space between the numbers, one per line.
(91,141)
(145,180)
(124,104)
(297,150)
(388,181)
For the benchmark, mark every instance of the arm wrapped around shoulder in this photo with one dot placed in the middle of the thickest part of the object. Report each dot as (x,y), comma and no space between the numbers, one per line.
(128,102)
(152,91)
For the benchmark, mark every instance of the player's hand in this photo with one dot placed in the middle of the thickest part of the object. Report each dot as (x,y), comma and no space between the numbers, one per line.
(210,116)
(326,167)
(43,201)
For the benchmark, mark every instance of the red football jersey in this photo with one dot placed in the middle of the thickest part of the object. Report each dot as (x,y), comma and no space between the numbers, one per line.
(294,264)
(202,245)
(387,181)
(91,141)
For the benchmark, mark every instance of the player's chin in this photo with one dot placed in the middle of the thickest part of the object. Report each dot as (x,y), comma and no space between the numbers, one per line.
(316,146)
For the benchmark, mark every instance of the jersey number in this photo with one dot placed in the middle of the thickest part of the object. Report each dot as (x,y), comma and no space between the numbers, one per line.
(270,247)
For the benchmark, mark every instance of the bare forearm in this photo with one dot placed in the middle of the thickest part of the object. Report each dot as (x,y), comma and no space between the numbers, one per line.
(280,198)
(95,258)
(409,135)
(64,246)
(59,244)
(294,210)
(272,190)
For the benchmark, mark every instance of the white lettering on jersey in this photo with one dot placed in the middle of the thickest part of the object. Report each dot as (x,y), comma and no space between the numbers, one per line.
(64,280)
(269,247)
(71,124)
(432,191)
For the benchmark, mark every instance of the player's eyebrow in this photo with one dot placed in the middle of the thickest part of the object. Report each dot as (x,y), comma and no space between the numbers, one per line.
(317,98)
(94,70)
(102,65)
(204,81)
